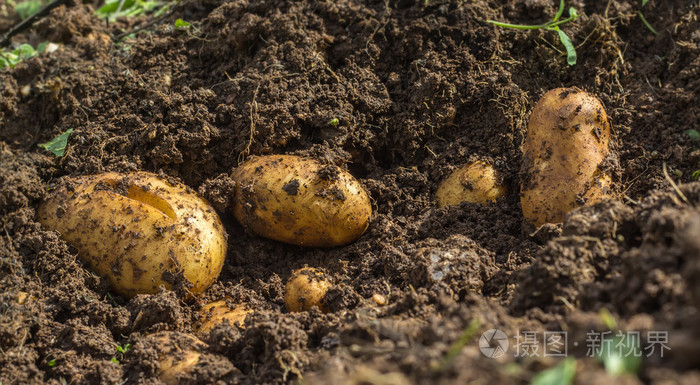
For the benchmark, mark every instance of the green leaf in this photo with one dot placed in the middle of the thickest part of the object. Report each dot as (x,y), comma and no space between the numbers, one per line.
(52,363)
(10,58)
(570,50)
(42,47)
(57,145)
(572,12)
(559,12)
(179,23)
(695,175)
(28,8)
(115,360)
(26,51)
(644,2)
(114,9)
(111,6)
(562,374)
(618,354)
(693,134)
(608,319)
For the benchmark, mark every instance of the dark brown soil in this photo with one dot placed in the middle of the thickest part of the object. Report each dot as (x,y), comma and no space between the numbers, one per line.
(418,89)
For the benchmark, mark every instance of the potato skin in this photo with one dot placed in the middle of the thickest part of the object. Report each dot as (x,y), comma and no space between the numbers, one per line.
(138,230)
(178,354)
(475,182)
(300,201)
(217,312)
(567,141)
(306,289)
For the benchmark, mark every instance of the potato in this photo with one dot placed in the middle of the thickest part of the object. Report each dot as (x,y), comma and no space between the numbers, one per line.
(24,298)
(178,354)
(218,312)
(474,182)
(138,230)
(306,289)
(300,201)
(567,141)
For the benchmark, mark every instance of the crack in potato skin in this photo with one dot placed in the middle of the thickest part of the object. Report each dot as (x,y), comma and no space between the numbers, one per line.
(138,230)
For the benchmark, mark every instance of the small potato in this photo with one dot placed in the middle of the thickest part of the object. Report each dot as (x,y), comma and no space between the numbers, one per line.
(138,230)
(218,312)
(306,289)
(178,354)
(300,201)
(24,298)
(567,141)
(475,182)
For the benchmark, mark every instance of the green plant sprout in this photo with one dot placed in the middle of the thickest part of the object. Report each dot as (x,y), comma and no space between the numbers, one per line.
(562,374)
(552,25)
(179,23)
(644,20)
(121,350)
(467,334)
(23,52)
(114,9)
(616,353)
(28,8)
(57,145)
(334,122)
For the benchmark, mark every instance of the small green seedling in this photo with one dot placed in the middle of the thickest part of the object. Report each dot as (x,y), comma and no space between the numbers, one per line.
(23,52)
(334,122)
(552,25)
(57,145)
(181,24)
(620,354)
(644,20)
(464,338)
(28,8)
(562,374)
(114,9)
(52,363)
(121,351)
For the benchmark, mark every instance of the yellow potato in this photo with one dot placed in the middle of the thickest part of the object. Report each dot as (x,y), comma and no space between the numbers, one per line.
(306,289)
(217,312)
(177,355)
(24,297)
(566,143)
(475,182)
(138,230)
(300,201)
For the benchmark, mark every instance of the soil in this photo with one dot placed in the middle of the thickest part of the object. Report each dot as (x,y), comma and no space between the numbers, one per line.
(418,88)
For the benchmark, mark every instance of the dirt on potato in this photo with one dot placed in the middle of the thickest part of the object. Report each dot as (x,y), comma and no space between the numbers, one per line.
(399,93)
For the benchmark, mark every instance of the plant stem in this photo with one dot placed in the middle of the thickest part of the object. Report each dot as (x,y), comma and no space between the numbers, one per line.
(644,20)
